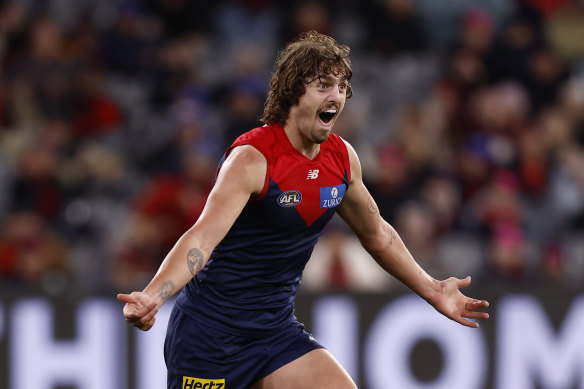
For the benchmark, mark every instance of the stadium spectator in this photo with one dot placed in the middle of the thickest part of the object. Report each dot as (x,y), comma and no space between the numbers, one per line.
(100,99)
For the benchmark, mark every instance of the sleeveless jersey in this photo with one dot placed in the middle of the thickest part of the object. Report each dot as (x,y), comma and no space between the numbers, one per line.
(249,284)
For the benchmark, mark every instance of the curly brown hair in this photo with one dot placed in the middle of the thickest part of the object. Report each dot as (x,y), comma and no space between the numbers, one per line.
(298,64)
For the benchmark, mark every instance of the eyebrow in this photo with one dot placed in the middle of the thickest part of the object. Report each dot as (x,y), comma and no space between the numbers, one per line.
(329,78)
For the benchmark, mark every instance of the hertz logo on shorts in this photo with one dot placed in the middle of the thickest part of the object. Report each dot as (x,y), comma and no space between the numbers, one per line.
(202,383)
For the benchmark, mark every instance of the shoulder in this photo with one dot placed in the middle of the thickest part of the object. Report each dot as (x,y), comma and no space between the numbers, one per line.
(246,164)
(337,144)
(350,150)
(246,154)
(264,139)
(354,162)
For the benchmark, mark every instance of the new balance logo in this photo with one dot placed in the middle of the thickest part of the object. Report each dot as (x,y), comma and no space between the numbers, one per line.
(312,174)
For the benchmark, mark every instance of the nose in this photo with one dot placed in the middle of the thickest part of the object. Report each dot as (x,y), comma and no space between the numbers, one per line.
(335,95)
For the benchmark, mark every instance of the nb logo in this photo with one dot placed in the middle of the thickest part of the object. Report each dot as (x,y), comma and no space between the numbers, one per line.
(312,174)
(201,383)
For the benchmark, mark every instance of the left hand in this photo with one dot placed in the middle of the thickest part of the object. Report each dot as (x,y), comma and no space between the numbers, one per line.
(456,306)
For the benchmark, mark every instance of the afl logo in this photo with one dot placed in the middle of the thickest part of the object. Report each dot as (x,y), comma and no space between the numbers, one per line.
(289,198)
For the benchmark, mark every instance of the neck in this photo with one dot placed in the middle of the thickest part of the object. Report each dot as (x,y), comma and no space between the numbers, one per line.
(301,143)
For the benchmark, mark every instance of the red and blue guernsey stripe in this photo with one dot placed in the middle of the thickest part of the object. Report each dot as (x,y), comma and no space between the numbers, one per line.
(250,282)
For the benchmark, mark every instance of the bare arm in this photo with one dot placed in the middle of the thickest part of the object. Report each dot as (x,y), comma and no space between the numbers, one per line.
(382,241)
(242,174)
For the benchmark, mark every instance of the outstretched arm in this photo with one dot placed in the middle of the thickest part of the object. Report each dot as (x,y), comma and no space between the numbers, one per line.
(381,240)
(242,175)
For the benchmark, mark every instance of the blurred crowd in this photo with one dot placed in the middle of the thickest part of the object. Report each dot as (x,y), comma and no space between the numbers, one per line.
(468,117)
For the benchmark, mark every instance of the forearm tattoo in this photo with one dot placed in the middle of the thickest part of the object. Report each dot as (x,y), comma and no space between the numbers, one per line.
(195,260)
(166,290)
(371,207)
(392,236)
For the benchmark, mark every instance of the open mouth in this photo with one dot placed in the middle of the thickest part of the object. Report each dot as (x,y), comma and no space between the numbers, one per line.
(327,116)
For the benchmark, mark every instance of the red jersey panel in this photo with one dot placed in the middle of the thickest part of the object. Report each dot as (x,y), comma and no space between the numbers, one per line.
(311,187)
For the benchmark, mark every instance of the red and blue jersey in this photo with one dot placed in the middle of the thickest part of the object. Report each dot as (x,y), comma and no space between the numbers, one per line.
(250,281)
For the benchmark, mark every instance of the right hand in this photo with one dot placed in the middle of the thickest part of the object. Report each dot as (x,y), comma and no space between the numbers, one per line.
(140,309)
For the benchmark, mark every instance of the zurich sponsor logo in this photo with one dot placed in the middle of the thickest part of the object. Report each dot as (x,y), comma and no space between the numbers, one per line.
(331,196)
(289,198)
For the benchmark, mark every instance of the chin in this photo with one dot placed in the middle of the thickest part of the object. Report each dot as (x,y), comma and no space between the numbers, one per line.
(322,136)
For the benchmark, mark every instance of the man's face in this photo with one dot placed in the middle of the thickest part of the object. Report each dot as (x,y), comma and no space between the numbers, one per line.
(317,110)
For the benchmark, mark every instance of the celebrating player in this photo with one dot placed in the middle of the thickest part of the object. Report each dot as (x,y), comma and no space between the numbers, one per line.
(241,263)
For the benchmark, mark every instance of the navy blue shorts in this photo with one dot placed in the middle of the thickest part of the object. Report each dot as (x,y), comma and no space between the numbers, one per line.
(201,357)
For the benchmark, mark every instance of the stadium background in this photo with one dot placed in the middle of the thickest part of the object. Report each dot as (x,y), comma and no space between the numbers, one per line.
(468,117)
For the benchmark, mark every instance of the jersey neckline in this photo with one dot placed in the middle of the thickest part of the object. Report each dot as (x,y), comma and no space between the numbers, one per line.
(295,151)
